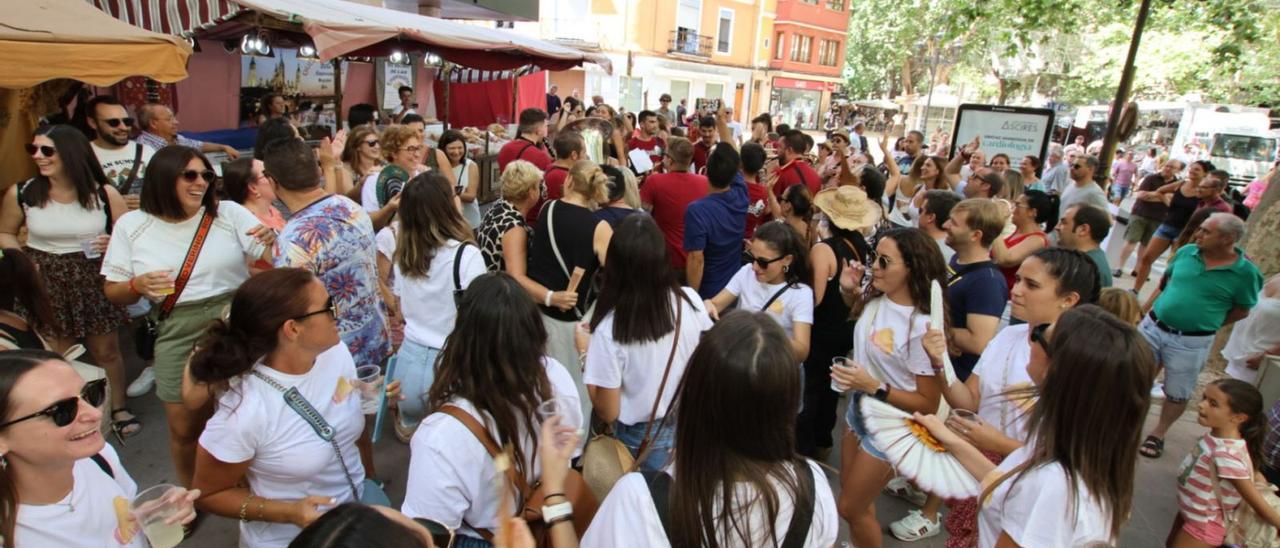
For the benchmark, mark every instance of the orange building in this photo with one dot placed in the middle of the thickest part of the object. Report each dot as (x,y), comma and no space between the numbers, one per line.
(805,49)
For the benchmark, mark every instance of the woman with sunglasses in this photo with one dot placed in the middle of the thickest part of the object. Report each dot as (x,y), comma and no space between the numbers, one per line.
(889,361)
(70,209)
(500,384)
(736,479)
(361,157)
(773,282)
(402,149)
(435,259)
(1030,212)
(1071,484)
(280,338)
(1049,283)
(149,252)
(62,484)
(926,173)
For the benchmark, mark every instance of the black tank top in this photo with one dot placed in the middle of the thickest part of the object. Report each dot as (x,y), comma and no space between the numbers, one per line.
(831,316)
(27,340)
(1181,208)
(575,228)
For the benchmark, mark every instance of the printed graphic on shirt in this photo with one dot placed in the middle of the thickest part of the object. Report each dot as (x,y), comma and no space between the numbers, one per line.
(883,339)
(777,307)
(343,390)
(126,526)
(756,209)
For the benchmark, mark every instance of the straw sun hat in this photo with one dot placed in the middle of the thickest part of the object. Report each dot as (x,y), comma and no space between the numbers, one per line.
(847,207)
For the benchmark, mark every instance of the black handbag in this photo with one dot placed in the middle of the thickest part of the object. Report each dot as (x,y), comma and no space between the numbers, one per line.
(144,339)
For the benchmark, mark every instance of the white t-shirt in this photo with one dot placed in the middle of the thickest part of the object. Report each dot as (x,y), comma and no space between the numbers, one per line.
(628,517)
(451,475)
(894,346)
(1002,369)
(118,165)
(795,305)
(1035,509)
(288,460)
(470,210)
(427,303)
(1256,333)
(142,243)
(101,506)
(369,193)
(385,240)
(637,368)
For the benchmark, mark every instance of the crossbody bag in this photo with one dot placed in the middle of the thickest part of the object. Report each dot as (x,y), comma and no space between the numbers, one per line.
(458,290)
(373,494)
(144,339)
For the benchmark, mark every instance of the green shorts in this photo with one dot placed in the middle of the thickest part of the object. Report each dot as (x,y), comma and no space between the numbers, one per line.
(175,338)
(1140,230)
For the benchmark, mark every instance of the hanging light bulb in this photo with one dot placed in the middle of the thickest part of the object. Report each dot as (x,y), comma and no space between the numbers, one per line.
(397,57)
(307,51)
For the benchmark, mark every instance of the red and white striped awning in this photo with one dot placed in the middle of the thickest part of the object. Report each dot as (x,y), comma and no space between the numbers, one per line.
(470,76)
(339,28)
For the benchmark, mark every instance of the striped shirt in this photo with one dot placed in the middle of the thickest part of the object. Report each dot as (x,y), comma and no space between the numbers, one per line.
(1196,499)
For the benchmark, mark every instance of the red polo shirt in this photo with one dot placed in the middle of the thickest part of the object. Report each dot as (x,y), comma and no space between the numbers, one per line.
(523,149)
(797,172)
(553,180)
(670,194)
(700,152)
(654,146)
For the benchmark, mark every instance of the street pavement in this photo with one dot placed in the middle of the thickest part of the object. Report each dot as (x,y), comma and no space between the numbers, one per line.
(146,456)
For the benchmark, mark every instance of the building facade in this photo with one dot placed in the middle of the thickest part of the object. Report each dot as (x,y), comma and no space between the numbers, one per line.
(805,48)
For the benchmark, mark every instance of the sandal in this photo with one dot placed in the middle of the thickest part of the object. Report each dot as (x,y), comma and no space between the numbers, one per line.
(1152,447)
(124,428)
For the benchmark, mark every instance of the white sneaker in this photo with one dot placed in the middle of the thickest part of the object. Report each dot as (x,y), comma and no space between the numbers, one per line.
(915,527)
(901,488)
(143,384)
(1157,391)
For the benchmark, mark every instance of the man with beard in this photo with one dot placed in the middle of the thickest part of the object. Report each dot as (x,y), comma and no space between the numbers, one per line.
(122,159)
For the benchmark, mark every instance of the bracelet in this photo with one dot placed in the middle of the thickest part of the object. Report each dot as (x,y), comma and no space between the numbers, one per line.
(245,506)
(549,495)
(546,300)
(262,503)
(134,288)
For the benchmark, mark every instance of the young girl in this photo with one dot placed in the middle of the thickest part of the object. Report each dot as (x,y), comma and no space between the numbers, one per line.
(771,283)
(1232,410)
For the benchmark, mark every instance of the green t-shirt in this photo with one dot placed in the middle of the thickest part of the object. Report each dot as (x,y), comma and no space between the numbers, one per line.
(1104,268)
(1196,299)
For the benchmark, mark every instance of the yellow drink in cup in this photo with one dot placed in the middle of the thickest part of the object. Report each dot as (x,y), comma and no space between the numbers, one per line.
(151,508)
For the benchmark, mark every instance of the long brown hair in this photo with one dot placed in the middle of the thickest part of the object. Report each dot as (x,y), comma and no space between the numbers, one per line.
(428,220)
(351,151)
(924,264)
(506,381)
(79,164)
(1100,372)
(13,365)
(735,426)
(22,284)
(939,181)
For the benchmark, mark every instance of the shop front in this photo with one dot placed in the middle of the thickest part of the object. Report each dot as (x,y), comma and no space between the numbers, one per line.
(800,103)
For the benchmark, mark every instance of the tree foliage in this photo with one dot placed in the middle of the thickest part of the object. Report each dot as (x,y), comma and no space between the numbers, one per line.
(1068,50)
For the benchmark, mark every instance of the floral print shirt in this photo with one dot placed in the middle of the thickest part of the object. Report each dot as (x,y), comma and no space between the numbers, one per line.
(333,238)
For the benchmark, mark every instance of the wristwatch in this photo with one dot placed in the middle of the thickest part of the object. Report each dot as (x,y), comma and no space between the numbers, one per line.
(557,512)
(882,393)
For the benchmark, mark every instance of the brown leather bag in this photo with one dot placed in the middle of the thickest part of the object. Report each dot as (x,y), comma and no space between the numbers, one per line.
(532,498)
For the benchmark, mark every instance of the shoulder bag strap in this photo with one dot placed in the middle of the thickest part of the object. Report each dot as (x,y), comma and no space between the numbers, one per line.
(802,514)
(528,144)
(490,445)
(106,208)
(133,171)
(457,273)
(660,491)
(1228,518)
(775,296)
(645,442)
(102,463)
(299,404)
(551,235)
(188,265)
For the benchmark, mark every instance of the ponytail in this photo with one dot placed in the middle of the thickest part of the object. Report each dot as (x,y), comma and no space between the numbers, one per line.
(1245,399)
(586,178)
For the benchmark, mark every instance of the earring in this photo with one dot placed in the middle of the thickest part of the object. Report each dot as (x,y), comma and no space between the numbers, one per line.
(786,268)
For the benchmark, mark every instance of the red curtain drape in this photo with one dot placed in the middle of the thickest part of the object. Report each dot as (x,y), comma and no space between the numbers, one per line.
(482,103)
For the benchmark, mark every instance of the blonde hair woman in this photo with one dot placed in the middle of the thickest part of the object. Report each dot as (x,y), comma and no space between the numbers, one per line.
(503,233)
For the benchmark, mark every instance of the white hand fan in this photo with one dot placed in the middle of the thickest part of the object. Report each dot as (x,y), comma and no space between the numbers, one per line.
(915,453)
(935,318)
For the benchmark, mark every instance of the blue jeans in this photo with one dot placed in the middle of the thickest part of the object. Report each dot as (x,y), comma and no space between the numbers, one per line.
(661,442)
(415,369)
(1182,356)
(464,541)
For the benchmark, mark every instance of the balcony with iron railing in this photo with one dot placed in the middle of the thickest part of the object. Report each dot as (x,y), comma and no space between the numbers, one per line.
(687,42)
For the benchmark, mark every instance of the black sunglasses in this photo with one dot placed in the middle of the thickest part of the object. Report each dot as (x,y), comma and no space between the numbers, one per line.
(64,411)
(208,175)
(371,143)
(762,262)
(1037,335)
(47,151)
(328,307)
(878,259)
(115,122)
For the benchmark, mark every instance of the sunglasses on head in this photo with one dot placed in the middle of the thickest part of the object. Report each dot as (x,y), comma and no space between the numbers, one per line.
(115,122)
(47,151)
(762,262)
(191,175)
(62,412)
(1037,335)
(328,307)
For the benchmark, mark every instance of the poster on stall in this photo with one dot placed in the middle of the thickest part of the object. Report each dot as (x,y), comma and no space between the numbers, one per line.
(287,74)
(1014,131)
(391,77)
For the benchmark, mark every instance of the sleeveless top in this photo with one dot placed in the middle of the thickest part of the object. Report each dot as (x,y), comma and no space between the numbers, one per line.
(831,317)
(58,228)
(470,210)
(27,340)
(1014,240)
(1181,208)
(575,229)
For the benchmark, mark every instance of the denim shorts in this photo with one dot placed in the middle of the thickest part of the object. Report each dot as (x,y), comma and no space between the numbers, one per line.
(631,435)
(415,369)
(1182,356)
(1168,232)
(854,417)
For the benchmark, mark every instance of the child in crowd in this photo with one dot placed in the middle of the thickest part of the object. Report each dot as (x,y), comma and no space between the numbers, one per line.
(1122,303)
(1217,477)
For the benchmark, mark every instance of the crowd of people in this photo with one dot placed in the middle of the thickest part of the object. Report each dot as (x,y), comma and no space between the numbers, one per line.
(720,311)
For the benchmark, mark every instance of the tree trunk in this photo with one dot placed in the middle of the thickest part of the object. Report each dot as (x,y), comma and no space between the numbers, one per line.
(907,86)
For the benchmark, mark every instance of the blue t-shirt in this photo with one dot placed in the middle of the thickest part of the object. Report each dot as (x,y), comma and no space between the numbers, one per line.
(714,225)
(974,288)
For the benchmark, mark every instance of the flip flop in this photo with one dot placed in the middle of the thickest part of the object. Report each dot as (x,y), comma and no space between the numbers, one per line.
(1152,447)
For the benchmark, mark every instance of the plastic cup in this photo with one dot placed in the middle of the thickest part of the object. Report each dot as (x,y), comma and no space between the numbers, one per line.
(842,363)
(569,415)
(369,383)
(964,414)
(88,245)
(151,508)
(168,289)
